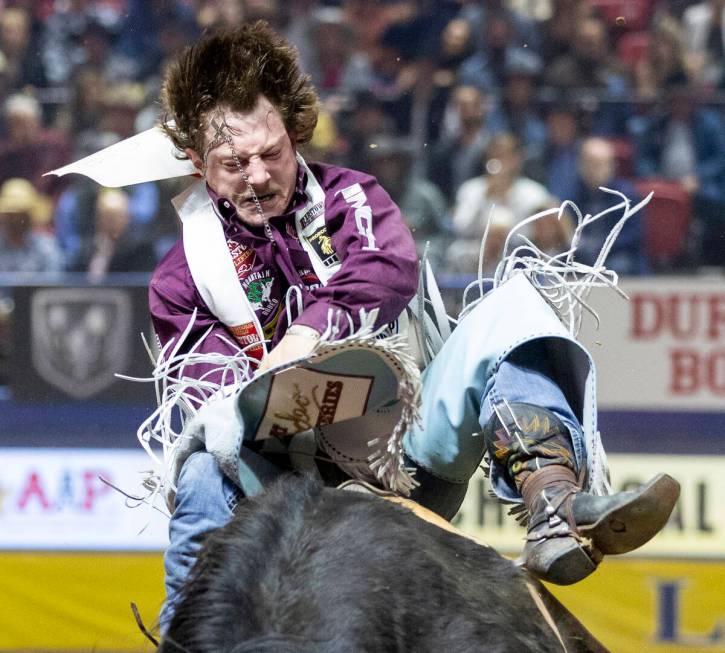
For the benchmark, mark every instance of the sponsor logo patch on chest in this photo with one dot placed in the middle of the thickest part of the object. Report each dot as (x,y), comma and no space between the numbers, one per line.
(313,212)
(322,244)
(243,258)
(259,287)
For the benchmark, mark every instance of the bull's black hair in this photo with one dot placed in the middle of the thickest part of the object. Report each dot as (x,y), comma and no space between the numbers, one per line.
(306,568)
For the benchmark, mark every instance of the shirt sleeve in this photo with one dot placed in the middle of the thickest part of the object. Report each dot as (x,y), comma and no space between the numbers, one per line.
(379,263)
(172,300)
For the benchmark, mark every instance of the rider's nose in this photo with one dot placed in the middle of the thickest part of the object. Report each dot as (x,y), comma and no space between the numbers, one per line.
(257,172)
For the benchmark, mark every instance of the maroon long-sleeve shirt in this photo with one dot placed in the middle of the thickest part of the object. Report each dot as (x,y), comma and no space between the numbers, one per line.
(379,265)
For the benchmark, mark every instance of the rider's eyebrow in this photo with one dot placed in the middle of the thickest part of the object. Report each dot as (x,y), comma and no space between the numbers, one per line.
(267,148)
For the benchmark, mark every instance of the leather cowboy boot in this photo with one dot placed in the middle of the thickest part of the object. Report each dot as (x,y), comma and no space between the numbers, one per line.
(569,530)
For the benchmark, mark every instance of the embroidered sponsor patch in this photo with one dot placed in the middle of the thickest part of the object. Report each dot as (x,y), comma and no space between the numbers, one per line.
(243,258)
(322,244)
(246,335)
(309,278)
(259,288)
(259,292)
(301,399)
(309,216)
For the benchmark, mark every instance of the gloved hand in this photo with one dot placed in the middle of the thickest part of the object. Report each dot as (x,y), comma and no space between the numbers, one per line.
(296,343)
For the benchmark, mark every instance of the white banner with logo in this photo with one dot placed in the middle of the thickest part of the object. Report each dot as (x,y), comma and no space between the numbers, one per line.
(664,348)
(55,499)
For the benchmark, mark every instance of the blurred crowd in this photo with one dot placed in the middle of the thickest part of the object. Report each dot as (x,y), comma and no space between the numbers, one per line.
(470,113)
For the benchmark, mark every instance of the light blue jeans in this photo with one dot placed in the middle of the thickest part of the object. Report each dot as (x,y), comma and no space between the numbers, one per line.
(511,345)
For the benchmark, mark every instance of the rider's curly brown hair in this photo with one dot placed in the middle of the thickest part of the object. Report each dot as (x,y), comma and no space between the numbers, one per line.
(233,68)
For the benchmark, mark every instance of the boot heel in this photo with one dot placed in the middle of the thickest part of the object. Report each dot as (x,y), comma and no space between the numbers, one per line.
(561,561)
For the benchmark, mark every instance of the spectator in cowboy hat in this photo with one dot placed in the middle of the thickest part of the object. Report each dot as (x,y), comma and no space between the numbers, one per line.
(25,246)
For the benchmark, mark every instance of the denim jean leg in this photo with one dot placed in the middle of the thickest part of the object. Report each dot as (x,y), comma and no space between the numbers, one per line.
(205,500)
(527,375)
(481,356)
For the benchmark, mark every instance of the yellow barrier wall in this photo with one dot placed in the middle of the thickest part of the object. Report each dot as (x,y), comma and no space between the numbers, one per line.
(77,602)
(655,606)
(80,602)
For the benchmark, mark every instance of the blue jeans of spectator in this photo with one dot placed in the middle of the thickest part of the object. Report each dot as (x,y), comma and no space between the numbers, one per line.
(511,345)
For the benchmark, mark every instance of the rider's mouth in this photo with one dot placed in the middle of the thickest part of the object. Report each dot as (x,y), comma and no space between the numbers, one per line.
(263,199)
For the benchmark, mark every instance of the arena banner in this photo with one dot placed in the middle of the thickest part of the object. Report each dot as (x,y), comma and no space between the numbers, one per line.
(56,499)
(664,349)
(68,342)
(696,527)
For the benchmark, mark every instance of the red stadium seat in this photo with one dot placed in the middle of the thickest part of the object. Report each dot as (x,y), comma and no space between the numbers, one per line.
(666,221)
(632,47)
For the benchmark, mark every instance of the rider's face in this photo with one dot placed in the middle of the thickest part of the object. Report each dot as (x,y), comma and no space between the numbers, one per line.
(266,154)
